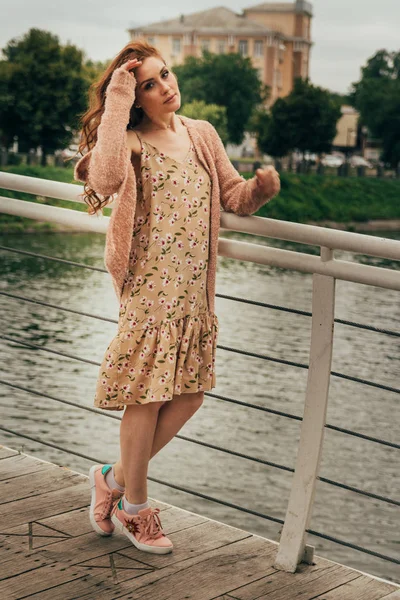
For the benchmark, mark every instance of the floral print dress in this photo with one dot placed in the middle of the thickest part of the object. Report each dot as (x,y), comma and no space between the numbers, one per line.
(167,337)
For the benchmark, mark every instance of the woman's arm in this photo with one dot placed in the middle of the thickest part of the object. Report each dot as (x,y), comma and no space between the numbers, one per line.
(107,162)
(238,195)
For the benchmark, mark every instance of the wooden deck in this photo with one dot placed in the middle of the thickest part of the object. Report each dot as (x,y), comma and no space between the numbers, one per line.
(49,551)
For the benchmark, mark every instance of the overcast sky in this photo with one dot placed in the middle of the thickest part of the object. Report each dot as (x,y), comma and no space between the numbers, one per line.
(345,32)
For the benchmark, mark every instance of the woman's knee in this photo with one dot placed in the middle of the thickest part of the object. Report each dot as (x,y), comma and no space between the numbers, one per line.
(195,400)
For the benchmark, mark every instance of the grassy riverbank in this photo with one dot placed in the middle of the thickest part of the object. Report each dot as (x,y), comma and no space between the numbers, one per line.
(303,199)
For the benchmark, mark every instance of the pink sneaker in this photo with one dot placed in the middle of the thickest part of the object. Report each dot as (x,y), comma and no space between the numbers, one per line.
(144,529)
(103,499)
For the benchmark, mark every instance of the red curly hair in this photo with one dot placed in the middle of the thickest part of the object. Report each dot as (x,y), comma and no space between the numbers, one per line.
(90,120)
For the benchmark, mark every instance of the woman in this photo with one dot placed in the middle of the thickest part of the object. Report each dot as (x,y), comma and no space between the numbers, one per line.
(172,178)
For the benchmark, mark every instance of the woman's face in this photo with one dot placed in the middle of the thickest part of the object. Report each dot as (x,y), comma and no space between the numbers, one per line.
(157,91)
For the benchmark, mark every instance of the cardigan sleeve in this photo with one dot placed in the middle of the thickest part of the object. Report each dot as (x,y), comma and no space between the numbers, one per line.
(238,195)
(105,166)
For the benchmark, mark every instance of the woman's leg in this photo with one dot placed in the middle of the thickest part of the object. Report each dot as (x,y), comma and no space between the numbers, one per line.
(137,429)
(165,420)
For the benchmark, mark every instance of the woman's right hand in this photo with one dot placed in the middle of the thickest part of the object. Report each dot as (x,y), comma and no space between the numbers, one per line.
(130,64)
(121,79)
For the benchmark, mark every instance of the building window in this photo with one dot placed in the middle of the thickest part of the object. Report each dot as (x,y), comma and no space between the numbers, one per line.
(176,46)
(187,39)
(243,47)
(221,46)
(231,40)
(258,48)
(298,47)
(281,52)
(205,44)
(270,40)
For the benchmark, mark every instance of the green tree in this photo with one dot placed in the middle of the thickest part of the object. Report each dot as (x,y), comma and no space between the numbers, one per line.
(304,120)
(213,113)
(377,97)
(42,91)
(226,80)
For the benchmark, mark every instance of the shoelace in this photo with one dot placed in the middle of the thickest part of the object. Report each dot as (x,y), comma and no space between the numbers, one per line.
(108,504)
(151,524)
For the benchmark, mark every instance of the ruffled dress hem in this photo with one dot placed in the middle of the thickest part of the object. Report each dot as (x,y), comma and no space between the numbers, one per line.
(155,363)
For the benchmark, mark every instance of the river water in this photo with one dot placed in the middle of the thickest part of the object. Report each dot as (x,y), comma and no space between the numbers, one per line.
(373,467)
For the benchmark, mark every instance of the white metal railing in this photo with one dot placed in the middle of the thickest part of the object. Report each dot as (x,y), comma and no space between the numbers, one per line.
(325,269)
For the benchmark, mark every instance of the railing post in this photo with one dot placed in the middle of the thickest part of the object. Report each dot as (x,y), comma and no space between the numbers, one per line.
(292,547)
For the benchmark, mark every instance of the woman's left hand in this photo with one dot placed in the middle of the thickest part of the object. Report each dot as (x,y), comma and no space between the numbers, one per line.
(268,181)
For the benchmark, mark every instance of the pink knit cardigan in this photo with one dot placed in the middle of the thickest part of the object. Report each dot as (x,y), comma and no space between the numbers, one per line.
(108,169)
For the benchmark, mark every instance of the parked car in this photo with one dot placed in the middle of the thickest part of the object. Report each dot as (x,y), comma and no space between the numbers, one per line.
(359,161)
(331,161)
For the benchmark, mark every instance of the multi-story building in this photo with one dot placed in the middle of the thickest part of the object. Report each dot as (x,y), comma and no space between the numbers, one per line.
(275,35)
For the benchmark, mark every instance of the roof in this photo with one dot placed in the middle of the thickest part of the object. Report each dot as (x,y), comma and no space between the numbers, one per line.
(298,6)
(219,20)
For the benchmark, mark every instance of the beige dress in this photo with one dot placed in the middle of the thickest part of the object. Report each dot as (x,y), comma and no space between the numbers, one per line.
(167,337)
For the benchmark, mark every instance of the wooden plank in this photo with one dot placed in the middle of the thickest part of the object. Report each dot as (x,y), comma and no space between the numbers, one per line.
(360,588)
(5,452)
(189,541)
(72,523)
(49,552)
(45,505)
(75,523)
(194,539)
(224,597)
(393,596)
(31,536)
(13,561)
(218,570)
(35,581)
(282,585)
(30,485)
(106,574)
(20,464)
(79,588)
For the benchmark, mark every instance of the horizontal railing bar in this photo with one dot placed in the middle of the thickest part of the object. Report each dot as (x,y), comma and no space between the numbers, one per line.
(306,313)
(282,361)
(58,190)
(351,488)
(381,386)
(54,259)
(295,311)
(234,298)
(266,227)
(368,327)
(50,350)
(363,436)
(280,413)
(348,271)
(312,235)
(298,261)
(77,219)
(97,411)
(210,498)
(208,445)
(62,308)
